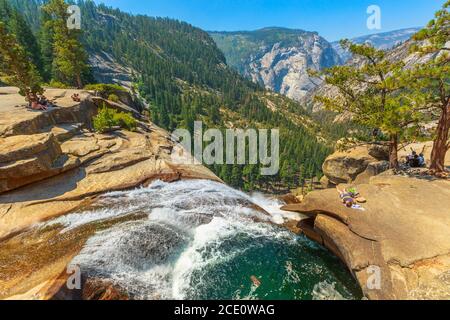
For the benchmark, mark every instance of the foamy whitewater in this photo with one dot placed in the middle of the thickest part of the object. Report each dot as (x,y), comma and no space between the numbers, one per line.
(203,240)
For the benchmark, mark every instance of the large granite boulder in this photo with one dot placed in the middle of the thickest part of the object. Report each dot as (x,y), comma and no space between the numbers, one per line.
(27,159)
(379,151)
(345,166)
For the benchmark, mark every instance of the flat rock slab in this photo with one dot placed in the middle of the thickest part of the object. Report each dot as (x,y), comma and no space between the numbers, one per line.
(17,119)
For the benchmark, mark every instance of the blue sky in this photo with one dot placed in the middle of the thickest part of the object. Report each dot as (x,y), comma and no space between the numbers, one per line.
(333,19)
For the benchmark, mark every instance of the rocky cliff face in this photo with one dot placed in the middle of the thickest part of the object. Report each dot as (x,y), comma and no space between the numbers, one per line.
(382,41)
(278,58)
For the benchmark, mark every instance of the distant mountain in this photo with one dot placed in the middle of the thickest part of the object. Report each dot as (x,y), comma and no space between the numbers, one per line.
(383,41)
(277,58)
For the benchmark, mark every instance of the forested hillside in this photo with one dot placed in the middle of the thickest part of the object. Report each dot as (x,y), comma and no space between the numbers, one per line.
(183,77)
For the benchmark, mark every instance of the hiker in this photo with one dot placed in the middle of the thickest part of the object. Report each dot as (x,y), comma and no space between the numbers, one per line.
(416,161)
(43,100)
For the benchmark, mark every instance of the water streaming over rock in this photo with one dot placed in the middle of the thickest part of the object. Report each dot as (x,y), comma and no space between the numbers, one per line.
(203,240)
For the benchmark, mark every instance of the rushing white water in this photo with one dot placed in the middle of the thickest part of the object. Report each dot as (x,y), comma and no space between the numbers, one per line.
(194,234)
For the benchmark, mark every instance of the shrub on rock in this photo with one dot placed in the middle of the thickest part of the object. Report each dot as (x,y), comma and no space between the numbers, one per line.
(107,119)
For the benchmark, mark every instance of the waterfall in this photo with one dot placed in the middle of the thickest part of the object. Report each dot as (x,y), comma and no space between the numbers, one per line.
(199,239)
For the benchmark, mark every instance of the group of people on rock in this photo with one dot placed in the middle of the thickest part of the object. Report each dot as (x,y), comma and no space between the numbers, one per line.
(39,102)
(415,160)
(351,198)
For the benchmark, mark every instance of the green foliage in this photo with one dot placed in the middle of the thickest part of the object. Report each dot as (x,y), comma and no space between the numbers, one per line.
(108,118)
(46,36)
(126,120)
(429,83)
(15,63)
(436,34)
(70,60)
(105,90)
(58,85)
(113,97)
(373,94)
(104,120)
(16,25)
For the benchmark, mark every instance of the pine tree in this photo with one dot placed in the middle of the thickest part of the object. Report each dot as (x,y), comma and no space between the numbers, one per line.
(16,25)
(70,57)
(236,176)
(431,81)
(225,173)
(46,43)
(17,67)
(26,38)
(287,173)
(371,95)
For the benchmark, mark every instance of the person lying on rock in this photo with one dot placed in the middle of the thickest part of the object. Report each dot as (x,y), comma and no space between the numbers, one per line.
(346,197)
(350,198)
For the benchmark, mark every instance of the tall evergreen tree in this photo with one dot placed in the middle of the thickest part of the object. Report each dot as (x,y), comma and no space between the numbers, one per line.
(46,36)
(431,81)
(16,65)
(370,94)
(70,60)
(18,26)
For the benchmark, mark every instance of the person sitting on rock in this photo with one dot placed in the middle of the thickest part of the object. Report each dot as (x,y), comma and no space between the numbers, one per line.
(421,160)
(412,160)
(43,100)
